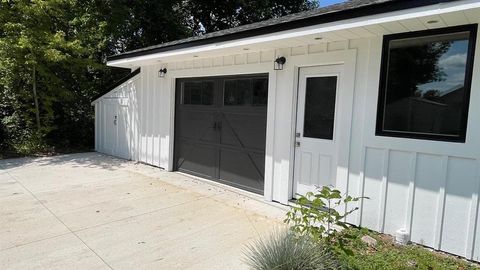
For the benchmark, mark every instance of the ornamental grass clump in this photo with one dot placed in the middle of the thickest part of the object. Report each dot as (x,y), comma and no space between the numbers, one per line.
(285,250)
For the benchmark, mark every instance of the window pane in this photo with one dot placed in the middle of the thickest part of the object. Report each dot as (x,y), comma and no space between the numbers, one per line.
(238,92)
(320,107)
(425,84)
(260,92)
(207,92)
(198,93)
(246,92)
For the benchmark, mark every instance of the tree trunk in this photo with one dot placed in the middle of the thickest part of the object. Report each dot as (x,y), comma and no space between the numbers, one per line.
(35,98)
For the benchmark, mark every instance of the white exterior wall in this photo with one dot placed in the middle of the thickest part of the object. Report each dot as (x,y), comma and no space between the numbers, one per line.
(120,140)
(429,188)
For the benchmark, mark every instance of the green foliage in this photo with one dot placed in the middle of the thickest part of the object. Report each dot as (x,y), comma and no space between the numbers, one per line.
(141,23)
(388,256)
(287,251)
(321,214)
(19,140)
(65,44)
(217,15)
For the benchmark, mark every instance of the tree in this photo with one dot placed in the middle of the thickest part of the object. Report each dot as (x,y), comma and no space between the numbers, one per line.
(48,55)
(412,66)
(53,53)
(216,15)
(133,24)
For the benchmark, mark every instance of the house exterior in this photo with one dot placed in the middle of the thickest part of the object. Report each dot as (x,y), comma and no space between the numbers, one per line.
(378,98)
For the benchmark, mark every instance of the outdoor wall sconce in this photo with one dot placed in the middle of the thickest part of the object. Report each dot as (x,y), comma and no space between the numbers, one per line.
(279,62)
(162,72)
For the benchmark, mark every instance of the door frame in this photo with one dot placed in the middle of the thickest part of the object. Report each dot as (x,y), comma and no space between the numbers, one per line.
(217,88)
(264,65)
(348,59)
(337,71)
(115,105)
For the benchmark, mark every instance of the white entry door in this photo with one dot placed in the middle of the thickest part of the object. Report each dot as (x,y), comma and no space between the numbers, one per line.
(318,127)
(116,128)
(122,142)
(111,122)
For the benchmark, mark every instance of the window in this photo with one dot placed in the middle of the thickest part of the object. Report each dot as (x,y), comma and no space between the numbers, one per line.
(425,84)
(320,96)
(198,93)
(246,92)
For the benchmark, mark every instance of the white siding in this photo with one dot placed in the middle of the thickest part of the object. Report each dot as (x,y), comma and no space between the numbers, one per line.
(429,188)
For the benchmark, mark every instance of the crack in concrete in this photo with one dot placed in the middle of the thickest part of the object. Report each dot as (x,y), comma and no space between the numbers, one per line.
(51,212)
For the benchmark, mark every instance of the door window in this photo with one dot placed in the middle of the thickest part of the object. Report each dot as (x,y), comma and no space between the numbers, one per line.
(246,92)
(198,93)
(320,98)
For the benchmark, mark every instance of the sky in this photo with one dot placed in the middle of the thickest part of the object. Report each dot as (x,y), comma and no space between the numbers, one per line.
(452,63)
(324,3)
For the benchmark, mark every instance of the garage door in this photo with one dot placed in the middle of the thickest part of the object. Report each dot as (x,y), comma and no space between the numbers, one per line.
(220,129)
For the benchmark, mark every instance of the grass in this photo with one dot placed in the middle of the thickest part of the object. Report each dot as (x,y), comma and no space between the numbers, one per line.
(387,256)
(283,250)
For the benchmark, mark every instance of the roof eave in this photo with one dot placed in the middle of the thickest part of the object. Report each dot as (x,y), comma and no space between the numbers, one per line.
(362,11)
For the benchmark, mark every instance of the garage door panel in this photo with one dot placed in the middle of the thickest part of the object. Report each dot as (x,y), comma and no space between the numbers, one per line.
(197,159)
(236,132)
(242,169)
(220,129)
(197,125)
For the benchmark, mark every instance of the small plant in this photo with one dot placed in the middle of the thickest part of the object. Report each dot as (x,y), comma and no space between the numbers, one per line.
(287,251)
(317,215)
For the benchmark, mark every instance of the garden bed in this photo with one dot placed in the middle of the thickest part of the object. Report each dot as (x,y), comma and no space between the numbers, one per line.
(356,254)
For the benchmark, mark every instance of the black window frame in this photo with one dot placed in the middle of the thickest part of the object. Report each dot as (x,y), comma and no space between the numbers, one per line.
(379,130)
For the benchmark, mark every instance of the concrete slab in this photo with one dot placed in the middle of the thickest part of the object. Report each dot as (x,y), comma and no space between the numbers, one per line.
(92,211)
(24,220)
(63,252)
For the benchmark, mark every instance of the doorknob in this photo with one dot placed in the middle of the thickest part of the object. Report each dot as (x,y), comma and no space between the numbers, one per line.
(297,144)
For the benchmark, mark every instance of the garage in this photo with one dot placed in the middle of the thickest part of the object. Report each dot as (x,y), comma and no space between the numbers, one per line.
(220,129)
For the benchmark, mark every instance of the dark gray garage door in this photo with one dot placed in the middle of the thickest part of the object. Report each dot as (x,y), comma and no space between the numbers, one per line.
(220,129)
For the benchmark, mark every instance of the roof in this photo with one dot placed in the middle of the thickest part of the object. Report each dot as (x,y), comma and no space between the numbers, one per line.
(343,11)
(116,84)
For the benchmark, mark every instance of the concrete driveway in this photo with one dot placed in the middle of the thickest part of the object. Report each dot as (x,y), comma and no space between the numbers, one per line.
(90,211)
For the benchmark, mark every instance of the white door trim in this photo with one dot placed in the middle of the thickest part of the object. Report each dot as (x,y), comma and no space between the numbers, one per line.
(265,67)
(322,152)
(348,58)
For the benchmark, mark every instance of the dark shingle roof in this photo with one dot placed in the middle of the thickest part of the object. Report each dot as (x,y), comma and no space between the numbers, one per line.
(346,10)
(116,84)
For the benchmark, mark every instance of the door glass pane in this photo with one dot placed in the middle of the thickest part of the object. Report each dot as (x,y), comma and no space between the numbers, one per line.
(260,92)
(320,97)
(238,92)
(246,92)
(207,92)
(198,93)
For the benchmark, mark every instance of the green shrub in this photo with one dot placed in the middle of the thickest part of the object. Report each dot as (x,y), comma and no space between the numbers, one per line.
(287,251)
(316,214)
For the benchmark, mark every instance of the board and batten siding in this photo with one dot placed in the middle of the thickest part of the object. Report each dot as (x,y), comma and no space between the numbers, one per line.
(429,188)
(120,140)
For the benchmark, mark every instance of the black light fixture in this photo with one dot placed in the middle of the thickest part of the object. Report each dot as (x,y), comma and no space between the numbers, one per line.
(162,72)
(279,62)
